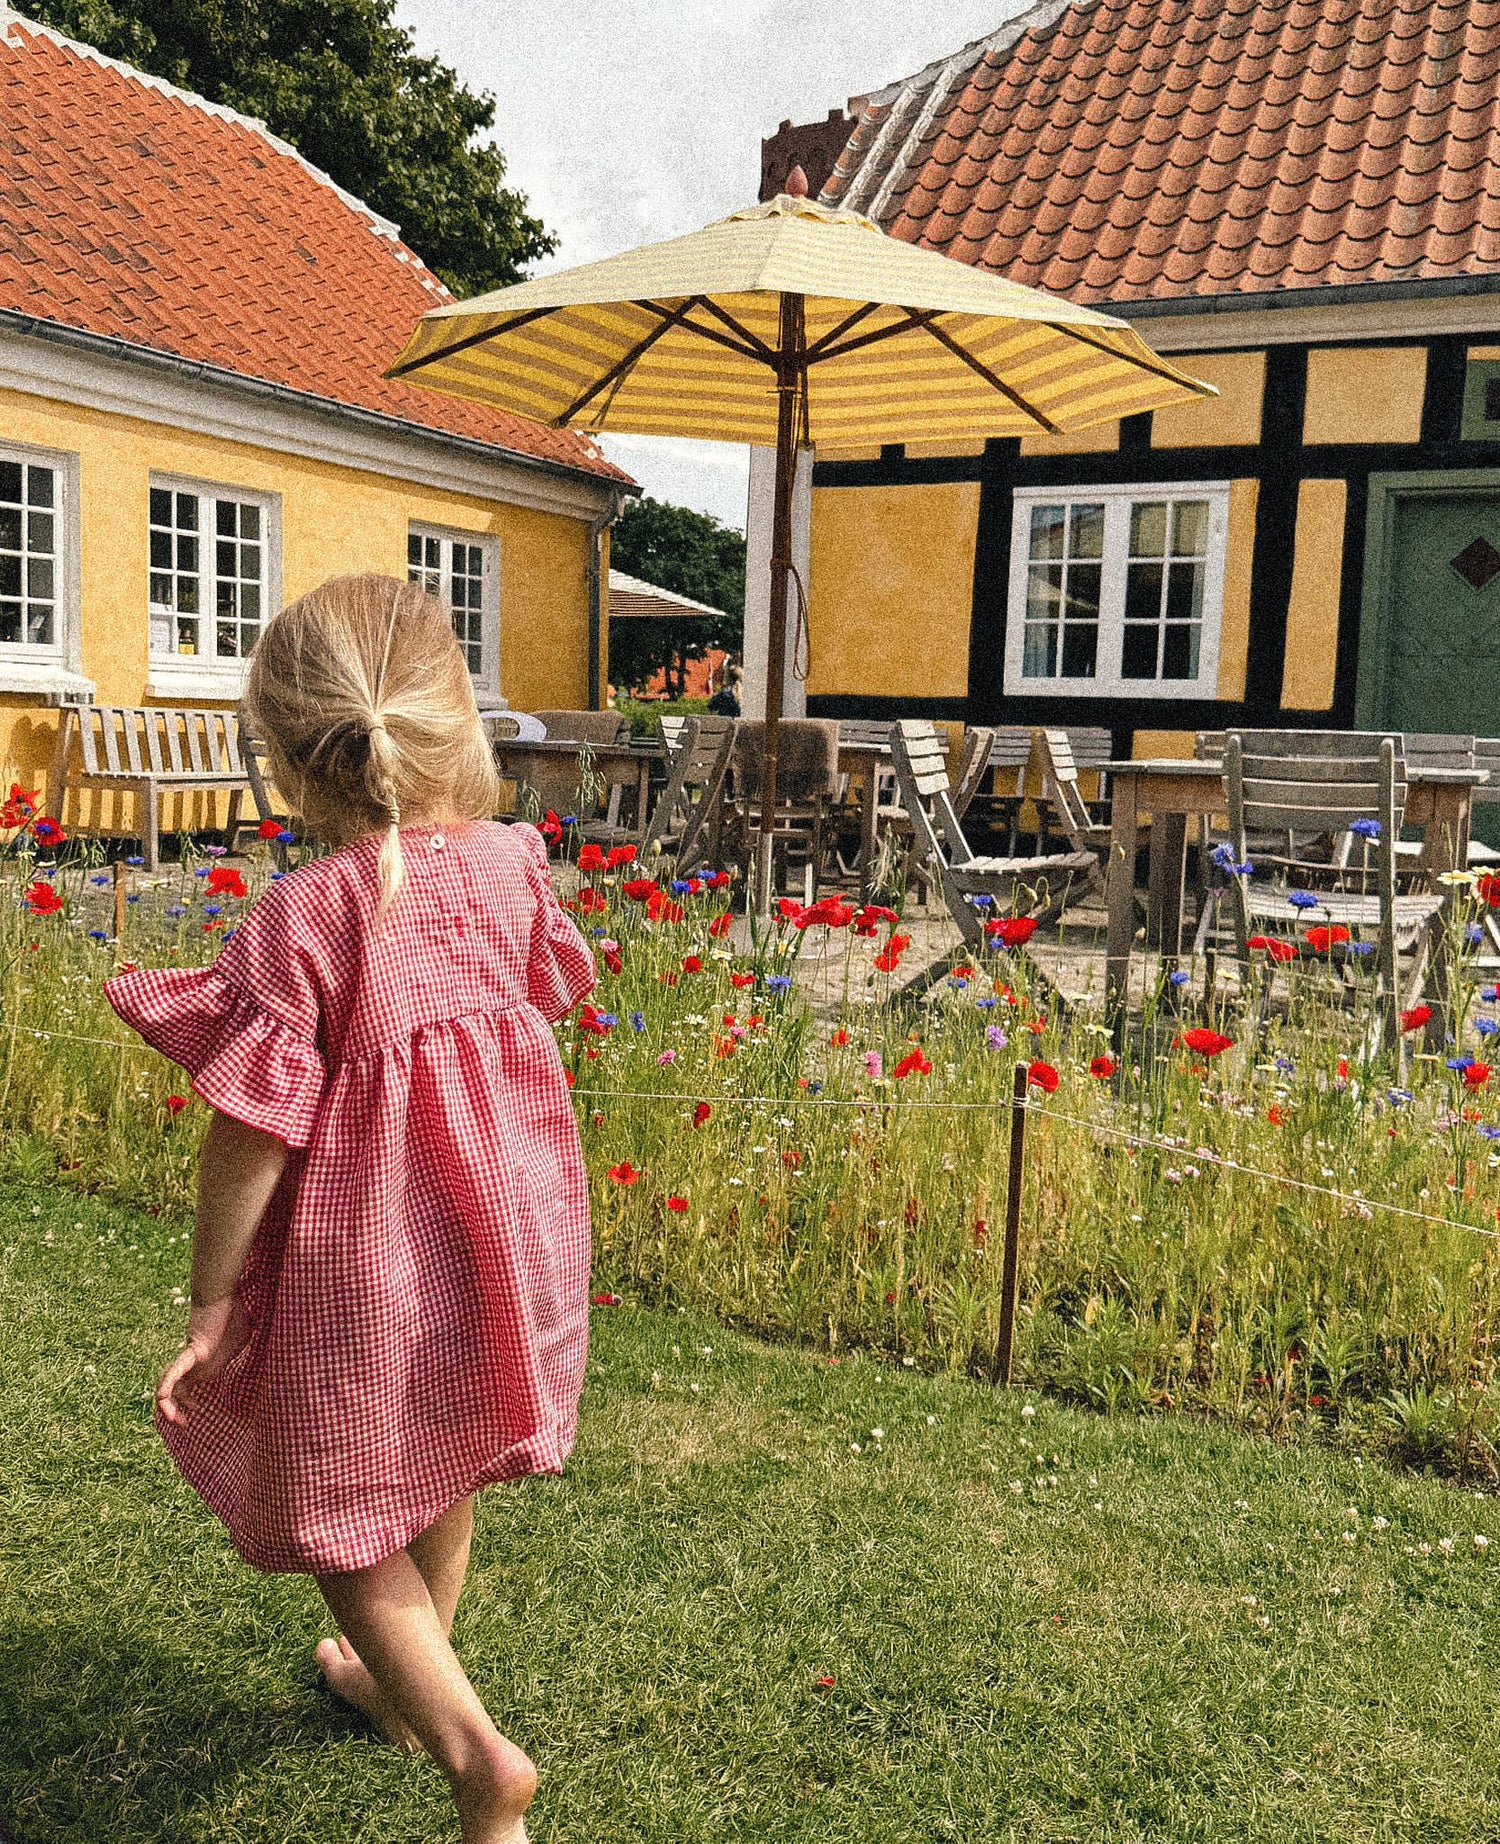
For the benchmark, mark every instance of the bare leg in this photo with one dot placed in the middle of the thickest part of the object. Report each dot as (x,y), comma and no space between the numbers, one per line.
(389,1615)
(441,1554)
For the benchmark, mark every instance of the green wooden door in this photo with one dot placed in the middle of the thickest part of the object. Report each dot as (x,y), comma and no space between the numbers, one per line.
(1443,658)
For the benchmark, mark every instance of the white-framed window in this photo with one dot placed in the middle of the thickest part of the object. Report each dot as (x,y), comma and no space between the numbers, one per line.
(1117,591)
(215,582)
(39,643)
(462,569)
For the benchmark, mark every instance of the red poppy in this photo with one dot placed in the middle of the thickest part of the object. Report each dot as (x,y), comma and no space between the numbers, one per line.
(1476,1075)
(792,1159)
(639,889)
(725,1046)
(269,829)
(1320,940)
(1415,1018)
(889,957)
(590,901)
(1273,948)
(1341,1069)
(839,1038)
(1011,931)
(625,1174)
(824,1683)
(20,806)
(1275,1117)
(661,908)
(677,1204)
(827,912)
(618,855)
(591,858)
(41,899)
(570,1078)
(607,1299)
(176,1103)
(868,919)
(701,1113)
(47,832)
(224,880)
(1205,1042)
(965,972)
(912,1064)
(742,980)
(692,964)
(1043,1076)
(720,925)
(1488,887)
(1102,1067)
(787,909)
(551,828)
(591,1019)
(612,959)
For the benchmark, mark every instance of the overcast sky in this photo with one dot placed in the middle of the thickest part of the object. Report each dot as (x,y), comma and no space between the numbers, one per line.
(626,121)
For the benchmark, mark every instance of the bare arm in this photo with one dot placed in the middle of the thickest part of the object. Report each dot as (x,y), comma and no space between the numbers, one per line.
(238,1170)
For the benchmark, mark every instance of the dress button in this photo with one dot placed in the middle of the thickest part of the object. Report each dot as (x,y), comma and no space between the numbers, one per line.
(437,842)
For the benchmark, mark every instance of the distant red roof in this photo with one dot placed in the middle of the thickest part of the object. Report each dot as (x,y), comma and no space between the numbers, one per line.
(1124,150)
(133,210)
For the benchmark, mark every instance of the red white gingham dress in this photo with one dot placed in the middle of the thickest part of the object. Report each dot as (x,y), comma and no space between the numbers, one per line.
(418,1285)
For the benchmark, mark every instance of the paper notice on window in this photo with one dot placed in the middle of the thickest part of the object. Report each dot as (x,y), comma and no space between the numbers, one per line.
(161,633)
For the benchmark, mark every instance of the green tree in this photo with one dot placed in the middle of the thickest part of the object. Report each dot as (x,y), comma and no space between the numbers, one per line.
(342,82)
(691,554)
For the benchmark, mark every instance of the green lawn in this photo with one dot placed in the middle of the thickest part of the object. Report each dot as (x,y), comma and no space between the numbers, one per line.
(1039,1626)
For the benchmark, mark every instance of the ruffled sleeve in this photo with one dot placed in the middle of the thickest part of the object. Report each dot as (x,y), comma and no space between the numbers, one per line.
(560,970)
(246,1028)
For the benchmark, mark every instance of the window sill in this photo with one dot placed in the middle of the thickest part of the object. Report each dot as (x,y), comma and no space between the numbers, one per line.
(1153,690)
(45,679)
(190,679)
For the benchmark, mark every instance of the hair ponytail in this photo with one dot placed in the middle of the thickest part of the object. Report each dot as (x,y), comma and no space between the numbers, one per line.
(363,698)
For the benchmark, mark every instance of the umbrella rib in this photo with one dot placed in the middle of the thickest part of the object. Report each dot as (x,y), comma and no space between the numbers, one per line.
(758,350)
(914,319)
(753,340)
(815,350)
(675,317)
(944,338)
(1089,339)
(470,339)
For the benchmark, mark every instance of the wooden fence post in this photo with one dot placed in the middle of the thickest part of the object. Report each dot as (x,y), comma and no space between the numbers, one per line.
(1010,1276)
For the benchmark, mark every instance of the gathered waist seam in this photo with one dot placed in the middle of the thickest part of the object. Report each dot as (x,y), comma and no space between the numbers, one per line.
(436,1024)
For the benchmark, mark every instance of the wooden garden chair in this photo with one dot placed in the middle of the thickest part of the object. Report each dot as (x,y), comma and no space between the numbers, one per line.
(1043,879)
(807,790)
(686,818)
(1308,789)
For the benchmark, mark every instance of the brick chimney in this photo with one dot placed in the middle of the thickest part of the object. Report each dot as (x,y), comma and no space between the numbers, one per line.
(814,146)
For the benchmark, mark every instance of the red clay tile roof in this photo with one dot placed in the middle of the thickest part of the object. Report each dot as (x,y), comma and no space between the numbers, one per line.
(1122,150)
(133,210)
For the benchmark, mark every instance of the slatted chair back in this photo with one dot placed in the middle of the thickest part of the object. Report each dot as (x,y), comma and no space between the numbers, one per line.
(1314,784)
(1091,746)
(592,727)
(1427,749)
(672,729)
(973,765)
(1011,749)
(1487,756)
(921,766)
(1060,786)
(685,817)
(807,768)
(1208,746)
(867,732)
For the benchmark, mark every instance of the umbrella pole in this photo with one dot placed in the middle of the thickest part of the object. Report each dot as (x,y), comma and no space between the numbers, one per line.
(789,381)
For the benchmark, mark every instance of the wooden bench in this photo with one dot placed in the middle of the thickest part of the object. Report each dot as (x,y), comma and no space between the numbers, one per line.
(148,751)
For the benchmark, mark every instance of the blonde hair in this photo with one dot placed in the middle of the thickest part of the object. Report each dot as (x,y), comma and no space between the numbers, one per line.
(361,694)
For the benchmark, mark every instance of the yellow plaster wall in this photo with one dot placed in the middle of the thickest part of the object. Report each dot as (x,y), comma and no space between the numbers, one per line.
(1312,622)
(1365,394)
(1169,745)
(1101,439)
(1230,419)
(892,589)
(944,450)
(333,520)
(1234,625)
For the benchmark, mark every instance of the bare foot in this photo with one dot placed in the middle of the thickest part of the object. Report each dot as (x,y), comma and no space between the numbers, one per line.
(492,1798)
(348,1677)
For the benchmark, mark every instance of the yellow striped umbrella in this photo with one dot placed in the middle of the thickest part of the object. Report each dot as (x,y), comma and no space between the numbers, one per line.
(790,324)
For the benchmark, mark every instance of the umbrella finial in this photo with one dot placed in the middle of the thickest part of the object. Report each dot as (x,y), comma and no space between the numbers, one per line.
(796,183)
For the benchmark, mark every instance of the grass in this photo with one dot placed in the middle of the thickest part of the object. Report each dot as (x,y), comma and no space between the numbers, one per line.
(1037,1623)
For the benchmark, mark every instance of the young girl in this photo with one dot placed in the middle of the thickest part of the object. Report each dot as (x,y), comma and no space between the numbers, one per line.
(390,1270)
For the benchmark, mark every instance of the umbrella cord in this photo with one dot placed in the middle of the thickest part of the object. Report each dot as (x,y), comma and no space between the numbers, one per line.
(801,638)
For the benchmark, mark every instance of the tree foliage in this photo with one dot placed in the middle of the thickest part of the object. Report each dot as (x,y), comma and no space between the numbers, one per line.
(691,554)
(343,83)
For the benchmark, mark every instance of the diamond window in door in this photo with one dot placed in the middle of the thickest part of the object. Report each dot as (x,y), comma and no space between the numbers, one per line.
(210,573)
(1478,563)
(461,571)
(28,554)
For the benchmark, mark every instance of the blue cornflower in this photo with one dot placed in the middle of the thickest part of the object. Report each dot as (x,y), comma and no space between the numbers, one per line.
(1486,1027)
(815,1087)
(609,1019)
(213,909)
(1179,978)
(97,934)
(1360,947)
(778,982)
(133,898)
(286,837)
(1473,934)
(987,1003)
(1365,829)
(176,909)
(679,886)
(637,1021)
(200,870)
(1301,899)
(276,876)
(99,880)
(1491,1133)
(1223,857)
(982,902)
(570,819)
(1398,1097)
(1286,1065)
(1489,994)
(229,934)
(137,859)
(1460,1062)
(956,983)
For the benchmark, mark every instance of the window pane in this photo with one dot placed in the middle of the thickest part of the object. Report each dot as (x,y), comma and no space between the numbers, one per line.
(187,552)
(1148,529)
(1048,524)
(1143,592)
(39,530)
(224,518)
(1086,538)
(187,637)
(227,639)
(161,506)
(39,486)
(250,562)
(1185,592)
(161,550)
(250,521)
(1190,528)
(1080,645)
(10,623)
(227,556)
(187,511)
(187,595)
(250,604)
(1083,592)
(1138,657)
(39,623)
(414,550)
(10,481)
(1039,659)
(10,575)
(161,591)
(1180,650)
(39,577)
(10,528)
(1044,592)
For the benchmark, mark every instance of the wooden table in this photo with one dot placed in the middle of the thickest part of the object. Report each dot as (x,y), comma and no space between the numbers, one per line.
(618,765)
(1173,792)
(865,760)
